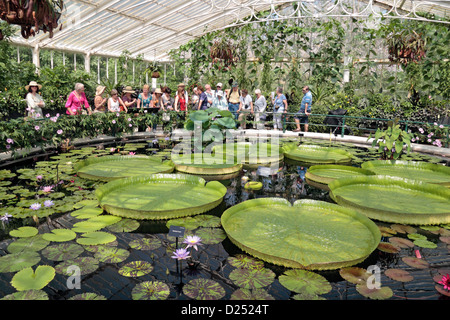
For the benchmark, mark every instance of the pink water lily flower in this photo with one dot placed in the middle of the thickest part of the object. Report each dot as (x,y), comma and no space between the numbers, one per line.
(47,189)
(445,281)
(192,241)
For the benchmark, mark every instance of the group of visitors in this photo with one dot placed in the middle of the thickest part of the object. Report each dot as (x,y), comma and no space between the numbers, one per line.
(237,101)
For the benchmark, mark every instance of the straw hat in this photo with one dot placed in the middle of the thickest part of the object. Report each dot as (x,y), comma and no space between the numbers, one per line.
(33,84)
(128,89)
(158,90)
(99,91)
(181,85)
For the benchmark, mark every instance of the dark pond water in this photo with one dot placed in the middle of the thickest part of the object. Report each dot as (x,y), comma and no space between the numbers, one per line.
(212,259)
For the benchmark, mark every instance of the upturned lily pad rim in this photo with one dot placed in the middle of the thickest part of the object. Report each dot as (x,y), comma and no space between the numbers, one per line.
(190,166)
(175,179)
(255,203)
(392,216)
(413,165)
(290,148)
(312,174)
(95,160)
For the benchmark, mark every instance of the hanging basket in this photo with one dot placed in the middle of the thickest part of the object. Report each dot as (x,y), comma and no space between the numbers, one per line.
(155,74)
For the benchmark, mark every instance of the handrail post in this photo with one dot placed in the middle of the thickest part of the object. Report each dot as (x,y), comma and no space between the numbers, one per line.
(343,126)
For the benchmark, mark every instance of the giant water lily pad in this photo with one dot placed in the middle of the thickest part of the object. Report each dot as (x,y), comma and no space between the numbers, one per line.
(324,174)
(312,154)
(207,165)
(251,155)
(309,234)
(423,171)
(29,279)
(116,167)
(394,199)
(160,196)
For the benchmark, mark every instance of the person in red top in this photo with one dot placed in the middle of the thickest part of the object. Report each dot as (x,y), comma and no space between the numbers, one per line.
(181,99)
(77,99)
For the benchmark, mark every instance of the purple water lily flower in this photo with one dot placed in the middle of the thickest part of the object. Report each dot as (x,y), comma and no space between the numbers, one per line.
(192,241)
(35,206)
(181,254)
(48,203)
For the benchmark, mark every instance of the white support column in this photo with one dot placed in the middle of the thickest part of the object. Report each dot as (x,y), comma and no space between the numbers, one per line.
(75,61)
(107,68)
(115,71)
(18,54)
(51,59)
(165,72)
(134,68)
(36,60)
(98,70)
(146,74)
(64,59)
(87,62)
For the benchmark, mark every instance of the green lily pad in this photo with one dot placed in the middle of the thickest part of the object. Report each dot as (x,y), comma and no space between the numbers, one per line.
(203,289)
(314,154)
(60,235)
(416,236)
(309,234)
(24,232)
(324,174)
(110,168)
(244,261)
(211,235)
(94,238)
(35,243)
(27,295)
(425,244)
(29,279)
(87,212)
(376,294)
(160,196)
(87,265)
(111,255)
(354,274)
(87,296)
(150,290)
(64,251)
(416,262)
(17,261)
(125,225)
(87,226)
(145,244)
(135,269)
(252,278)
(248,294)
(404,201)
(88,203)
(302,281)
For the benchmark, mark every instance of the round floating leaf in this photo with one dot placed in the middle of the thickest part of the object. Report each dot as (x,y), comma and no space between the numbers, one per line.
(442,291)
(160,196)
(29,279)
(64,251)
(35,243)
(415,262)
(305,296)
(17,261)
(354,274)
(204,289)
(125,225)
(24,232)
(211,235)
(403,228)
(145,244)
(416,236)
(377,294)
(27,295)
(302,281)
(87,226)
(150,290)
(425,244)
(247,294)
(136,269)
(111,255)
(252,278)
(312,154)
(87,296)
(399,275)
(401,242)
(60,235)
(244,261)
(86,264)
(386,232)
(207,221)
(94,238)
(189,223)
(85,203)
(87,212)
(388,247)
(309,234)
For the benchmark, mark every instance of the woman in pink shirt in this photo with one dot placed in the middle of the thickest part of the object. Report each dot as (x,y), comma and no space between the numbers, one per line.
(76,101)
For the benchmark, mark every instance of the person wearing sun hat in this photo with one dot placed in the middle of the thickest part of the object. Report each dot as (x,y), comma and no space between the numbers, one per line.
(35,103)
(127,99)
(99,100)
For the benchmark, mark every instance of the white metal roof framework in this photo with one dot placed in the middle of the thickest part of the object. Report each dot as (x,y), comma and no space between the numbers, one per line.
(150,28)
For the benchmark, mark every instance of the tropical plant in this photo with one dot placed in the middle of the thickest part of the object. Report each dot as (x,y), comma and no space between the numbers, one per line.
(390,142)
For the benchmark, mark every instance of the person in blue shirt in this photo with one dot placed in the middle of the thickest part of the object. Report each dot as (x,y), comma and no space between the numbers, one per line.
(305,110)
(280,106)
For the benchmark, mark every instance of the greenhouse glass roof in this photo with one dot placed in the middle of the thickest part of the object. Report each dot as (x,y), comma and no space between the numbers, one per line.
(150,28)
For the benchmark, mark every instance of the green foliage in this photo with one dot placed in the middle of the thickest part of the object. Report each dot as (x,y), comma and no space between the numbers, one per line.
(390,142)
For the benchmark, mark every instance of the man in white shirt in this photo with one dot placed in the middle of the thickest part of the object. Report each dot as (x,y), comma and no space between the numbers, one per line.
(220,101)
(245,107)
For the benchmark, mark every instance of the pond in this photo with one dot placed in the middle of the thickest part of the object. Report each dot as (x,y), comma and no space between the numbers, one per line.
(139,263)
